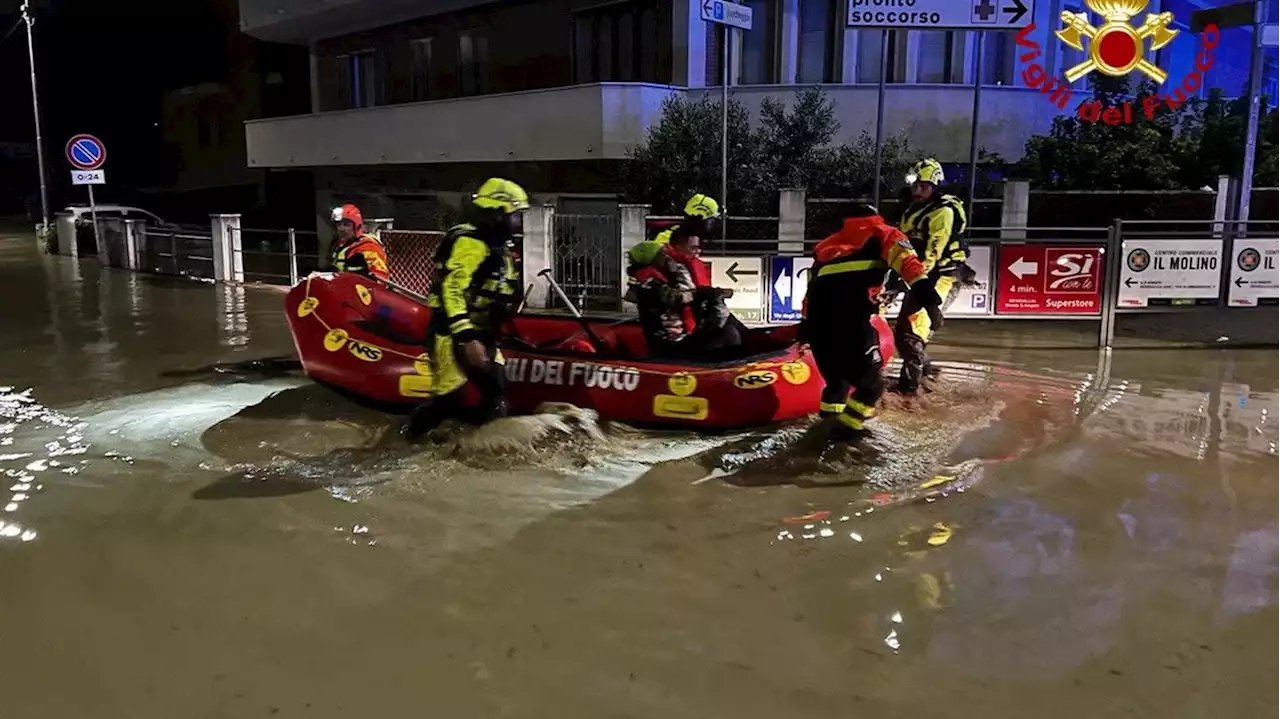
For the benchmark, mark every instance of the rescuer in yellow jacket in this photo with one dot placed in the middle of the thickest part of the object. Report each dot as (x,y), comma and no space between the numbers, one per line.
(700,215)
(935,223)
(473,289)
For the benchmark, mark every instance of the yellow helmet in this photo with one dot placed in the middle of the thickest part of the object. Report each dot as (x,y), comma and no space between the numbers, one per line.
(703,206)
(502,195)
(926,170)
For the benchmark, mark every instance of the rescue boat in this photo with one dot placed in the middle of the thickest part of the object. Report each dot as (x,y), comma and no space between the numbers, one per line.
(367,338)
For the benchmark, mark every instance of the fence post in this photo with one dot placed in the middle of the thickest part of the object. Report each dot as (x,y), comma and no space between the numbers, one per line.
(631,231)
(65,222)
(228,262)
(536,253)
(133,229)
(791,209)
(1013,212)
(293,257)
(1220,204)
(1111,283)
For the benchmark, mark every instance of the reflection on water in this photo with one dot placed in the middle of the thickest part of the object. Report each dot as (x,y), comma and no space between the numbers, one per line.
(25,466)
(233,319)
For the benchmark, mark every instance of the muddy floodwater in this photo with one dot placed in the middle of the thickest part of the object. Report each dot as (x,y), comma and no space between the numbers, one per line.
(188,528)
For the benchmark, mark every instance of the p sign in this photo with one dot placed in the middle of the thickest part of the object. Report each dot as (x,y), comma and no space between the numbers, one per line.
(86,152)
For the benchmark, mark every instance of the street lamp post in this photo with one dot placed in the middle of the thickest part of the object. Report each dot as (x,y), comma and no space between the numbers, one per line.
(35,111)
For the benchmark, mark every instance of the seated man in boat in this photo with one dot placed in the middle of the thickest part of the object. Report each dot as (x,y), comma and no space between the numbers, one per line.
(681,314)
(700,215)
(354,250)
(473,290)
(845,283)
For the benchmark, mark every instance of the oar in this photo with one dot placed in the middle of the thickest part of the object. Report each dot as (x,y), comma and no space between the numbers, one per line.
(546,274)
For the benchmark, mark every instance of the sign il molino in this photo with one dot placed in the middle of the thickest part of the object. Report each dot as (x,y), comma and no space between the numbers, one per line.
(1116,48)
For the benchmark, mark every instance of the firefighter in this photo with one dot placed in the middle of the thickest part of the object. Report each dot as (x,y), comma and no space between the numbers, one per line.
(354,250)
(700,215)
(845,283)
(935,223)
(473,290)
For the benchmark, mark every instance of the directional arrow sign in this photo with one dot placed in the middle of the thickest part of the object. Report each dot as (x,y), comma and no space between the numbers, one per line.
(1021,268)
(1128,282)
(941,14)
(1014,11)
(782,288)
(733,272)
(1241,282)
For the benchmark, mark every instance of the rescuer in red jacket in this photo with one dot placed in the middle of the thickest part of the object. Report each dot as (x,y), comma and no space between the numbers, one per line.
(354,250)
(845,283)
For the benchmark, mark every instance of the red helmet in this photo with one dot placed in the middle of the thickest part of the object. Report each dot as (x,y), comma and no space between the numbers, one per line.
(348,213)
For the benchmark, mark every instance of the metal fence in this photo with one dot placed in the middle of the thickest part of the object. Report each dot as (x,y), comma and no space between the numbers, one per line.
(410,254)
(587,259)
(178,251)
(278,256)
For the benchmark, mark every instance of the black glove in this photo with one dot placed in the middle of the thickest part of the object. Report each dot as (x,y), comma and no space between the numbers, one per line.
(925,293)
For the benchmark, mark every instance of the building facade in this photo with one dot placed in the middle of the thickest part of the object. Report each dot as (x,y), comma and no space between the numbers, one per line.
(413,99)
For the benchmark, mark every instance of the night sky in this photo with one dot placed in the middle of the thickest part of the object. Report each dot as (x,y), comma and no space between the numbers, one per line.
(104,68)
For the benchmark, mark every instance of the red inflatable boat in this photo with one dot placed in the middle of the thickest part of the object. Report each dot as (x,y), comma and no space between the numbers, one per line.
(365,337)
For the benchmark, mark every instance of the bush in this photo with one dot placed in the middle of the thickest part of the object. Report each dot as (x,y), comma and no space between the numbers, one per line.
(792,147)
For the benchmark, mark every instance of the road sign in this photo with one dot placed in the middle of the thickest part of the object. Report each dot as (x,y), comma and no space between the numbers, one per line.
(1254,280)
(940,14)
(744,276)
(86,152)
(88,177)
(727,13)
(969,301)
(788,283)
(1049,279)
(1170,272)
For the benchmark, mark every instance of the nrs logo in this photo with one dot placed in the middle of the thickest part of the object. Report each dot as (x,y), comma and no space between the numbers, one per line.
(1072,271)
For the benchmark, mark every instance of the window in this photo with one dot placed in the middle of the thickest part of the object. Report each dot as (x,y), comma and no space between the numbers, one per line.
(941,58)
(473,62)
(817,41)
(617,43)
(358,82)
(759,45)
(420,53)
(870,53)
(997,58)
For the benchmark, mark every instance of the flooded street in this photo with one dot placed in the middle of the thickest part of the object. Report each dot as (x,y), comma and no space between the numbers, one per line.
(188,533)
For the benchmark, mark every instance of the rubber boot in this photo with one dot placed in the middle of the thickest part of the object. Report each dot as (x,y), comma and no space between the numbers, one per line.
(426,417)
(913,363)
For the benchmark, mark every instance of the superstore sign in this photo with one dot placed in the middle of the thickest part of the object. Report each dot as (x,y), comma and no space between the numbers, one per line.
(877,13)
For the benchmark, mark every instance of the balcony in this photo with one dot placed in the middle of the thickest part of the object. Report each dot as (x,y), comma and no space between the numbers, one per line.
(302,21)
(583,122)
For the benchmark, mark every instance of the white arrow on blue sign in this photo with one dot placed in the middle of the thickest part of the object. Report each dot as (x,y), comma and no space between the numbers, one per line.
(789,281)
(727,13)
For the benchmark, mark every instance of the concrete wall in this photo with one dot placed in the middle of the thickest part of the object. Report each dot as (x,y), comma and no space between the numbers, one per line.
(586,122)
(300,21)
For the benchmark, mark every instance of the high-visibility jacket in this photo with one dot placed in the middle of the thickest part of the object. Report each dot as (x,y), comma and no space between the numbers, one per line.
(474,286)
(374,256)
(937,232)
(849,273)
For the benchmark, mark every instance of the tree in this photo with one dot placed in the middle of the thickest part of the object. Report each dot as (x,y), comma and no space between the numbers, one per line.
(681,156)
(1185,147)
(1095,155)
(792,147)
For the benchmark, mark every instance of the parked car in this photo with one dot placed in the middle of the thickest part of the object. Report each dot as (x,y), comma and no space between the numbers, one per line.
(84,217)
